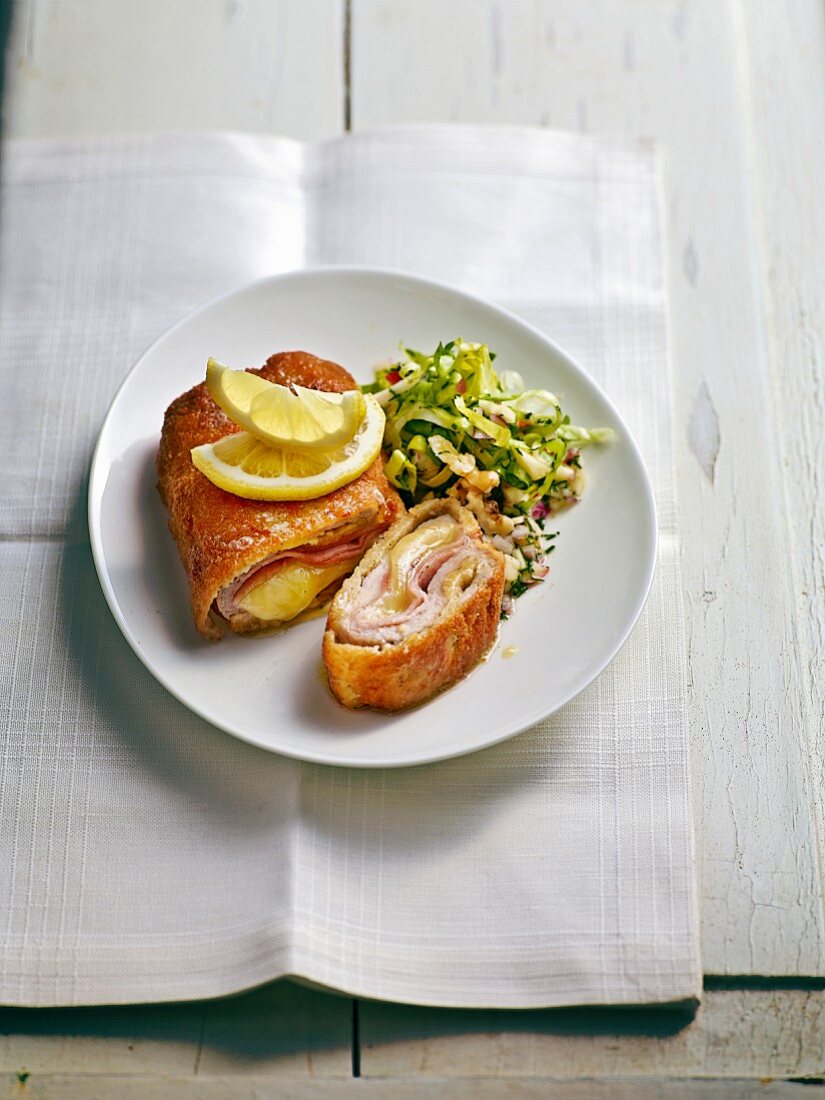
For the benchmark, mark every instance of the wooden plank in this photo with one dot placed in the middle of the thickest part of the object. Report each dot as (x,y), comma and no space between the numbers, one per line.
(736,1033)
(787,166)
(278,1030)
(78,1087)
(673,72)
(132,66)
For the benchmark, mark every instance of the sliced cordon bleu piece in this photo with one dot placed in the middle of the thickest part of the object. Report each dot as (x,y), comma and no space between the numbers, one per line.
(419,612)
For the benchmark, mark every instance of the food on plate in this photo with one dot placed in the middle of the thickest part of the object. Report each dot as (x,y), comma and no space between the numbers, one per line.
(253,564)
(418,613)
(277,490)
(456,428)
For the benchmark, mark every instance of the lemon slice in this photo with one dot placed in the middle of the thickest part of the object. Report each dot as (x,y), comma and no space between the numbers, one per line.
(294,417)
(243,465)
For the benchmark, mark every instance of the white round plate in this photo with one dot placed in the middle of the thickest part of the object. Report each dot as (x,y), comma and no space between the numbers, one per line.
(271,690)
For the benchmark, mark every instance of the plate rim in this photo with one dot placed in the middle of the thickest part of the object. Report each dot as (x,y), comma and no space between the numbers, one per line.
(448,752)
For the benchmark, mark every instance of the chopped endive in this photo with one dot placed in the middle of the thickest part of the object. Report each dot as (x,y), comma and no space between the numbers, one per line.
(457,427)
(243,465)
(295,417)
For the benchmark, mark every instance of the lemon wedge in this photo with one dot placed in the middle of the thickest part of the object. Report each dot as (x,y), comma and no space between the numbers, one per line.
(243,465)
(295,418)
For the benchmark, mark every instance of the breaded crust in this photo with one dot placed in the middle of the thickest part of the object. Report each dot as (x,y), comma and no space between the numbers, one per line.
(397,676)
(219,535)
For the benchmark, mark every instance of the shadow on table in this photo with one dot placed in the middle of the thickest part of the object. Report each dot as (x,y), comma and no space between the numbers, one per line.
(279,1023)
(287,1026)
(391,1023)
(378,1024)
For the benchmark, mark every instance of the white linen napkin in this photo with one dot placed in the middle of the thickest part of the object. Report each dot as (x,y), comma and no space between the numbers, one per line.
(146,856)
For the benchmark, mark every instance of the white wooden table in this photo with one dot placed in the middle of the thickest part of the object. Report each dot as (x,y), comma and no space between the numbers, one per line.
(733,91)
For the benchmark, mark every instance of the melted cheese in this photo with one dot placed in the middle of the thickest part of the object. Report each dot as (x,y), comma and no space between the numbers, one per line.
(291,590)
(460,578)
(406,554)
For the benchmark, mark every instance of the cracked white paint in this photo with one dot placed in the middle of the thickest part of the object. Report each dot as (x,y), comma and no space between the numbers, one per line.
(690,263)
(703,431)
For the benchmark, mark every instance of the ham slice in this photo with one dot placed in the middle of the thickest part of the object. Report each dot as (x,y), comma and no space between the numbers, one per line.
(230,597)
(369,623)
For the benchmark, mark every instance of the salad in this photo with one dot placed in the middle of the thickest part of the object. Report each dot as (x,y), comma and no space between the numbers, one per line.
(456,428)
